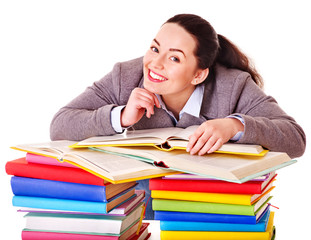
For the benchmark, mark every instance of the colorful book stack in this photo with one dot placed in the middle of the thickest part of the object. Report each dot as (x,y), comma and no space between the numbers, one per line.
(62,201)
(190,207)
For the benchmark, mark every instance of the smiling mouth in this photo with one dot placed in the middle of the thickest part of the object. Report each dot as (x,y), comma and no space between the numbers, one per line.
(156,77)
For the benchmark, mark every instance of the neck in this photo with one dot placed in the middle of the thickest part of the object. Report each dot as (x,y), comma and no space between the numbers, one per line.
(175,103)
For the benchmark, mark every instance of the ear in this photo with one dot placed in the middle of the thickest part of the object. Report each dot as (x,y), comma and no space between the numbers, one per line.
(200,76)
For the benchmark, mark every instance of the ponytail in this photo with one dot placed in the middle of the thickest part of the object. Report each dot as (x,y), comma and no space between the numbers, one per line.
(230,56)
(214,48)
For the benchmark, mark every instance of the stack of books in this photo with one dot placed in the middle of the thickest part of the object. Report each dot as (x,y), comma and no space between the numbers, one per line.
(62,201)
(192,207)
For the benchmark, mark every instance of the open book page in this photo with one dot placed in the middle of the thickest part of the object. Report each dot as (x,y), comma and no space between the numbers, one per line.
(110,166)
(156,136)
(221,166)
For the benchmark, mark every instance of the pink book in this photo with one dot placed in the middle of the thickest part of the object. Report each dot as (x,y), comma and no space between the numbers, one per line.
(128,234)
(34,158)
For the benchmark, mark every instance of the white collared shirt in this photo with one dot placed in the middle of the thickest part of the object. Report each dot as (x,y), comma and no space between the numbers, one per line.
(192,107)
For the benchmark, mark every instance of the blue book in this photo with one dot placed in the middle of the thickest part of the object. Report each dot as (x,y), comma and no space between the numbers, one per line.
(216,227)
(72,205)
(22,186)
(209,217)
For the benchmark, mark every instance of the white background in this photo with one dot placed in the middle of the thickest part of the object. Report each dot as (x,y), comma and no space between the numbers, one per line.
(50,51)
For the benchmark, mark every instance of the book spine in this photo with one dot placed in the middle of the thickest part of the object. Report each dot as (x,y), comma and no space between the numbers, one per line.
(201,207)
(203,217)
(205,186)
(22,186)
(186,235)
(20,167)
(241,199)
(207,226)
(36,235)
(59,204)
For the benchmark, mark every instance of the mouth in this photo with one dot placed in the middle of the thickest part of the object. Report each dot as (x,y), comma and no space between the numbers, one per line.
(154,77)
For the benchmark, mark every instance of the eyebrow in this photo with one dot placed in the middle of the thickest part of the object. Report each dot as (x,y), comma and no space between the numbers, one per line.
(171,49)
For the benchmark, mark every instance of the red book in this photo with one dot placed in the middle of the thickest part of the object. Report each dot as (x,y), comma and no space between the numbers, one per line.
(20,167)
(212,186)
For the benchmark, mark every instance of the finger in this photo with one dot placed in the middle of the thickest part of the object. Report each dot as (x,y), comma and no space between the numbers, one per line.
(202,140)
(207,146)
(216,146)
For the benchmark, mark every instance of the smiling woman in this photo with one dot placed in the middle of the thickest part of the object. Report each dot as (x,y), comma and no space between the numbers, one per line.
(190,75)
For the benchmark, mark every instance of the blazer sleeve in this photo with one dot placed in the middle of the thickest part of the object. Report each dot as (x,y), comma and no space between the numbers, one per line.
(89,114)
(265,122)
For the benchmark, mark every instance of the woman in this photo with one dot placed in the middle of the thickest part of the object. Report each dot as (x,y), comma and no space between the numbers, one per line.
(189,76)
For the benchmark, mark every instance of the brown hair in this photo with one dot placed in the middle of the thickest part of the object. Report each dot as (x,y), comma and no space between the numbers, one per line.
(214,48)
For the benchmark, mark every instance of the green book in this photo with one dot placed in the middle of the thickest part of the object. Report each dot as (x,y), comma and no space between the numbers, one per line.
(207,207)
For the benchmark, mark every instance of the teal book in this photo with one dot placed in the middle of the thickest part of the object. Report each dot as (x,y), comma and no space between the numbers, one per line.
(261,226)
(71,205)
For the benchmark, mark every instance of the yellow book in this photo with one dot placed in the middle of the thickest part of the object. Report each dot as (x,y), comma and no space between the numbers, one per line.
(165,139)
(197,235)
(240,199)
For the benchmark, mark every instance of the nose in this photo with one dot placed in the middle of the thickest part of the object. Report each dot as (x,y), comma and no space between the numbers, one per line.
(158,61)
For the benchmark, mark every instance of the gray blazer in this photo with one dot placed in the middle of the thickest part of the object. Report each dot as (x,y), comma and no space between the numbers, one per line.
(231,91)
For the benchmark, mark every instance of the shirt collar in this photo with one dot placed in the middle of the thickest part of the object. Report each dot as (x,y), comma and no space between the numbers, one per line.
(192,106)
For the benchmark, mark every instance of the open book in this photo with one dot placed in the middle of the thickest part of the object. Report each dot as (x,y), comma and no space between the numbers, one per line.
(113,168)
(123,164)
(164,139)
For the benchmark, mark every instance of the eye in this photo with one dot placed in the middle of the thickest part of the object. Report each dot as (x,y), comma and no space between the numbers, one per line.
(154,49)
(175,59)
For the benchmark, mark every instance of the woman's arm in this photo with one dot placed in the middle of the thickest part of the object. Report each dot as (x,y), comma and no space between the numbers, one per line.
(89,114)
(265,123)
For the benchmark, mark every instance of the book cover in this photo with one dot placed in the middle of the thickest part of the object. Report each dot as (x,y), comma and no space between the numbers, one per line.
(185,235)
(34,187)
(82,224)
(209,217)
(71,205)
(20,167)
(211,186)
(35,158)
(211,226)
(121,210)
(130,234)
(206,207)
(241,199)
(165,139)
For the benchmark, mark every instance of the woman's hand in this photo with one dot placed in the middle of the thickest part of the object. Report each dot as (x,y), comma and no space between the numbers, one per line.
(212,134)
(140,101)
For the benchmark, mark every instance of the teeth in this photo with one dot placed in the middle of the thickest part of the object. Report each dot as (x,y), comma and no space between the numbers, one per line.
(155,76)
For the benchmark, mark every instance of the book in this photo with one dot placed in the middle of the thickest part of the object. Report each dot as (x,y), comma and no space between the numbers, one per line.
(118,164)
(35,158)
(188,176)
(185,235)
(130,234)
(71,205)
(20,167)
(233,168)
(113,168)
(210,217)
(211,226)
(207,207)
(165,139)
(211,186)
(34,187)
(121,210)
(82,224)
(240,199)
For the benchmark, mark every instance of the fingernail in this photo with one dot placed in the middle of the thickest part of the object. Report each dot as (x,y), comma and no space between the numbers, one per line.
(188,149)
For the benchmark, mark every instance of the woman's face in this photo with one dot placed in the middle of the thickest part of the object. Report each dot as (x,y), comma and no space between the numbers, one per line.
(170,65)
